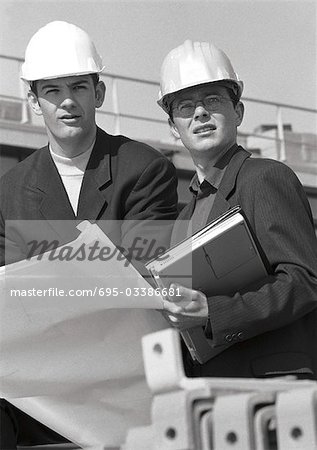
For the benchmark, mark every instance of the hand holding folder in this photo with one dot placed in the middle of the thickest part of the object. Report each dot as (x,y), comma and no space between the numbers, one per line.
(220,259)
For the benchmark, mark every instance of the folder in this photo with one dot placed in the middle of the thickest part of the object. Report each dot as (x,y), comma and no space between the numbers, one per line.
(220,259)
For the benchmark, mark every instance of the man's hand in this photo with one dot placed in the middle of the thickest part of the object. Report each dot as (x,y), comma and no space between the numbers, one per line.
(187,308)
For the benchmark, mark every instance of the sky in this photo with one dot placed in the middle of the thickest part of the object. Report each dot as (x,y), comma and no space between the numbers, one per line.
(272,44)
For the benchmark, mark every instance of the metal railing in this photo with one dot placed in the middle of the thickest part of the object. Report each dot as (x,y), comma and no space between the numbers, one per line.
(119,114)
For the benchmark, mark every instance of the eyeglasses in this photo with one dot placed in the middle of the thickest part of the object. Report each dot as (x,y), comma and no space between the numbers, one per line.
(186,108)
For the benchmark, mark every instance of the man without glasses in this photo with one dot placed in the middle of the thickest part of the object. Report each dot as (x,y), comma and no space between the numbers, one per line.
(82,174)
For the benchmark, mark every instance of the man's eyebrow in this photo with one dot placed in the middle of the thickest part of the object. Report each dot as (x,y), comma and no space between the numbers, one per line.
(49,85)
(75,83)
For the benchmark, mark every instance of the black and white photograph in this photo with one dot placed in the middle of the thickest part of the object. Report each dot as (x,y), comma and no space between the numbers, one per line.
(158,225)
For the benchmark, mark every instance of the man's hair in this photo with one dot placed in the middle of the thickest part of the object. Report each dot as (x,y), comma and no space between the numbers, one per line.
(33,87)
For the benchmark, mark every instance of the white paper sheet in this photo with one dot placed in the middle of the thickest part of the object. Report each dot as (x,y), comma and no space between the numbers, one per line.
(75,362)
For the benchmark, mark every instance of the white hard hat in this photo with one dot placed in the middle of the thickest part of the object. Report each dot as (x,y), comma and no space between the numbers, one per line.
(192,64)
(60,49)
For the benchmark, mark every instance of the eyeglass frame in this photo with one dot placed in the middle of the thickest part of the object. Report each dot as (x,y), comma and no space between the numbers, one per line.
(206,106)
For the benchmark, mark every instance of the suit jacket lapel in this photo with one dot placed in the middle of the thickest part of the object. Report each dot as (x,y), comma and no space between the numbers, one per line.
(55,204)
(188,210)
(92,198)
(221,203)
(180,228)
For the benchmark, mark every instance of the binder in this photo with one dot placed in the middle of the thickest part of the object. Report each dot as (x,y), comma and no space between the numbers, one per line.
(220,259)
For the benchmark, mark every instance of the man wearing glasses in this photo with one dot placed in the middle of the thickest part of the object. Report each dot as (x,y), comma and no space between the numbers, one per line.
(268,330)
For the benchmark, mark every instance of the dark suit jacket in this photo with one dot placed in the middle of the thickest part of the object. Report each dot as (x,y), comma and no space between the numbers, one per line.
(273,324)
(124,181)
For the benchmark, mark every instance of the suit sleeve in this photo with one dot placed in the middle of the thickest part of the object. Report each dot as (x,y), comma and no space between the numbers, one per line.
(12,248)
(151,211)
(154,194)
(2,241)
(279,213)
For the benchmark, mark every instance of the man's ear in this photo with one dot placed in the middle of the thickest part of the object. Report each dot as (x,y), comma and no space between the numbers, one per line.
(100,93)
(173,129)
(239,109)
(34,103)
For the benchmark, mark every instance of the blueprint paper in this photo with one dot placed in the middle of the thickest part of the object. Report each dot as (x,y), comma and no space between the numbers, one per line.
(75,362)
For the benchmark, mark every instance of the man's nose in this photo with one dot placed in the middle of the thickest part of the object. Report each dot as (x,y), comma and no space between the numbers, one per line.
(68,99)
(200,110)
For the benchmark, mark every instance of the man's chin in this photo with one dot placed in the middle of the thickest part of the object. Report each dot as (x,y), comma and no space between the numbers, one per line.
(72,132)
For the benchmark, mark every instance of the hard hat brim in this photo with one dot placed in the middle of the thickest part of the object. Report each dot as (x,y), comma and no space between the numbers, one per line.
(28,78)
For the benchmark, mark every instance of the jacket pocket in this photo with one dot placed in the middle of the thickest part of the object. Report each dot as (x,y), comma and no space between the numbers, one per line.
(282,364)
